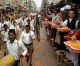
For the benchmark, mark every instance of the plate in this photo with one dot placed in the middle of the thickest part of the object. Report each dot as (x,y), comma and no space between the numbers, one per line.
(63,29)
(73,44)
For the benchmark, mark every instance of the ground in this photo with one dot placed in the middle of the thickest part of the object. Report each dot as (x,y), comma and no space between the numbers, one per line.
(44,54)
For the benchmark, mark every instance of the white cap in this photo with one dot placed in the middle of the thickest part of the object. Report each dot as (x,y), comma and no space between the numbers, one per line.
(67,7)
(62,9)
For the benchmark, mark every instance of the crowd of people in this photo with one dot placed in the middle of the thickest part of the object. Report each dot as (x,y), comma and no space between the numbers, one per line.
(63,16)
(18,32)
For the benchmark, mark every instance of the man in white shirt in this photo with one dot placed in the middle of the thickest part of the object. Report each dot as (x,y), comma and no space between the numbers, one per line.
(4,37)
(6,21)
(32,26)
(22,21)
(15,48)
(4,33)
(17,19)
(27,37)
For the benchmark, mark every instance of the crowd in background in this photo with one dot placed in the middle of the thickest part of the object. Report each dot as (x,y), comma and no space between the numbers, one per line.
(64,15)
(18,31)
(25,27)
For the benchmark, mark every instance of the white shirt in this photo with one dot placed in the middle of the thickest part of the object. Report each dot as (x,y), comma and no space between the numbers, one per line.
(39,15)
(1,26)
(13,48)
(12,27)
(7,22)
(17,21)
(66,21)
(4,35)
(57,19)
(23,22)
(54,17)
(25,37)
(32,25)
(17,28)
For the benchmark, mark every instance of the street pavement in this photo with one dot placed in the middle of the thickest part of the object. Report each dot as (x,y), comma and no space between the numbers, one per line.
(44,54)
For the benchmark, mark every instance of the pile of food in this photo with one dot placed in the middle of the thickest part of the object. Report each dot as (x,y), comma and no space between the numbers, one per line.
(63,29)
(73,44)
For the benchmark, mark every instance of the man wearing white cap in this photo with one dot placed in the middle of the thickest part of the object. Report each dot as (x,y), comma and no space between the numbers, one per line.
(57,19)
(4,33)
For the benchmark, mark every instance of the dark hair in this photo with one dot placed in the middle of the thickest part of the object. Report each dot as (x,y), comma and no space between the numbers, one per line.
(28,26)
(71,10)
(76,15)
(12,31)
(5,25)
(28,21)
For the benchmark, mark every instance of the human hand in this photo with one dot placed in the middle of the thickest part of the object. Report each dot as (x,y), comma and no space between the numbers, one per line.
(73,38)
(20,55)
(20,52)
(71,33)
